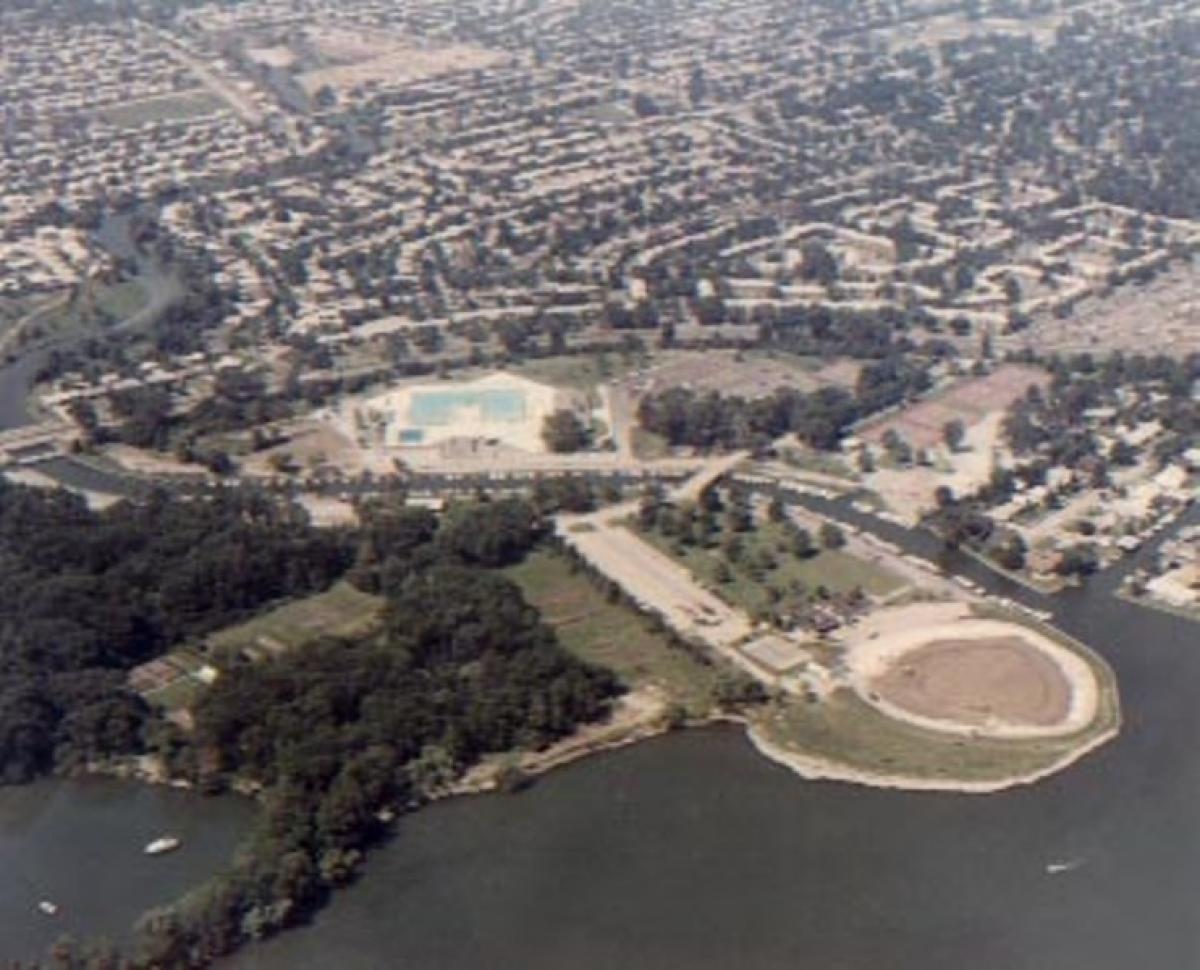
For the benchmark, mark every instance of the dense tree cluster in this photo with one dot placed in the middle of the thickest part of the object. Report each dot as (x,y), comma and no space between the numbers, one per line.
(337,735)
(84,596)
(820,419)
(1050,428)
(340,731)
(564,432)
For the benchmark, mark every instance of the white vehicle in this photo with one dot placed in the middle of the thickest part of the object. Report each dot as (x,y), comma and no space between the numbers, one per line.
(48,908)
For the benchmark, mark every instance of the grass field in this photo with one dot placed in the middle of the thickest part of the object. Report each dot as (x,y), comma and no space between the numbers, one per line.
(341,611)
(845,729)
(837,571)
(582,372)
(648,446)
(183,690)
(824,463)
(14,308)
(611,634)
(174,107)
(116,301)
(180,693)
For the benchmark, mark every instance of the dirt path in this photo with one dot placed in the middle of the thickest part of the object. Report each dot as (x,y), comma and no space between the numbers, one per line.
(217,85)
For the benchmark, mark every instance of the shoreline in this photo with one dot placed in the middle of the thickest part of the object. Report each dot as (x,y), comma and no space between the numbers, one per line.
(808,766)
(1023,579)
(1150,603)
(815,768)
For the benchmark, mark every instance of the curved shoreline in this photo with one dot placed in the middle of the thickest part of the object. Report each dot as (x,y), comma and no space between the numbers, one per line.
(815,768)
(810,767)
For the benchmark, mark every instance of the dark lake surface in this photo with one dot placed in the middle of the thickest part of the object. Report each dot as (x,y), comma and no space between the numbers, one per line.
(693,852)
(79,844)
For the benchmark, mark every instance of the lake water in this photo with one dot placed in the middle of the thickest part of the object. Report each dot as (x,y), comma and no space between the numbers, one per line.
(694,852)
(79,844)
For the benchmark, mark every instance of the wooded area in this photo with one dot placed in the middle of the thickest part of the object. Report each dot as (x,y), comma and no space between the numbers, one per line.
(336,735)
(84,596)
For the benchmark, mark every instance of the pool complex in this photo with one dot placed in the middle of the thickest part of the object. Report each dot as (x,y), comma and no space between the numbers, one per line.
(431,409)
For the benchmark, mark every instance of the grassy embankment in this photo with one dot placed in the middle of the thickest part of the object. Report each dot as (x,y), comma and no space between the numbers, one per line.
(847,731)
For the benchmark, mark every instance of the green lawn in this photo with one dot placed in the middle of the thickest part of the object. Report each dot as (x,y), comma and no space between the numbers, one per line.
(117,301)
(174,107)
(185,689)
(121,300)
(14,308)
(822,462)
(648,446)
(341,611)
(180,693)
(610,634)
(837,571)
(581,372)
(847,730)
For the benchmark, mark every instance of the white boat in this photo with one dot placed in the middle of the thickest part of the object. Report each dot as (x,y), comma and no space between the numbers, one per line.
(168,843)
(1055,868)
(47,907)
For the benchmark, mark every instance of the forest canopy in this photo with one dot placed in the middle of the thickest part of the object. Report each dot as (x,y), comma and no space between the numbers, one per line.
(85,596)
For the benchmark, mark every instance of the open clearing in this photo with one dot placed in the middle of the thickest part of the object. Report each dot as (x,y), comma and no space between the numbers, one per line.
(173,681)
(611,634)
(845,736)
(974,681)
(943,668)
(969,401)
(364,56)
(341,611)
(182,106)
(112,301)
(746,374)
(584,372)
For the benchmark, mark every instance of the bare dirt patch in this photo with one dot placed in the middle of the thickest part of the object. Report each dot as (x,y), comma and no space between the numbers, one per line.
(738,374)
(969,401)
(360,58)
(976,682)
(1163,315)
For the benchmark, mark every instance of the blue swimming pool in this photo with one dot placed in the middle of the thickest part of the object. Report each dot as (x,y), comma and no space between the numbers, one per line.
(433,408)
